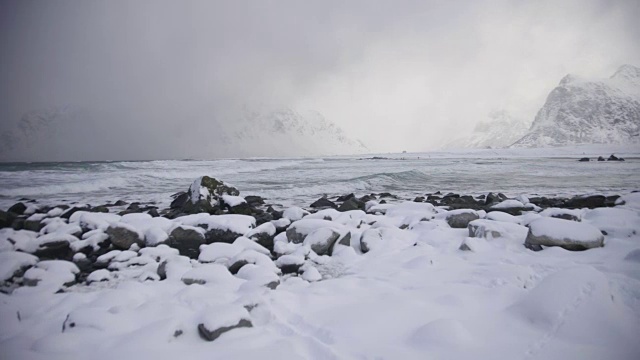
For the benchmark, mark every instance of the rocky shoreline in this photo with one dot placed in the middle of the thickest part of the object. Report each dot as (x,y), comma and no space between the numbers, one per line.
(211,232)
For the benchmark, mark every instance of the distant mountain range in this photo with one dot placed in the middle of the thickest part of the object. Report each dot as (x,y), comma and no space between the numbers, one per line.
(62,134)
(500,130)
(581,111)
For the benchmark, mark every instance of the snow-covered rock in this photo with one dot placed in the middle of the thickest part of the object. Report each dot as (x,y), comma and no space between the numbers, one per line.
(221,319)
(12,262)
(568,234)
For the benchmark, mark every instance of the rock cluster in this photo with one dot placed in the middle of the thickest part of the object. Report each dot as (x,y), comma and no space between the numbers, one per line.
(211,236)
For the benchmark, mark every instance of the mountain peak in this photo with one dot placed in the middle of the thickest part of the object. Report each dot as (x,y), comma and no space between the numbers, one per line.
(627,72)
(583,111)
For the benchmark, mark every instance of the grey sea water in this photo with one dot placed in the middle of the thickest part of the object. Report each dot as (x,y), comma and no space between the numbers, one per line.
(299,181)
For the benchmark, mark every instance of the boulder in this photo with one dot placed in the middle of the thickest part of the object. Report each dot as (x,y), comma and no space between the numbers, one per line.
(220,321)
(53,250)
(591,202)
(461,219)
(219,235)
(17,208)
(584,159)
(123,236)
(179,200)
(614,158)
(351,204)
(290,264)
(323,202)
(567,234)
(322,240)
(513,207)
(254,200)
(187,240)
(600,158)
(494,198)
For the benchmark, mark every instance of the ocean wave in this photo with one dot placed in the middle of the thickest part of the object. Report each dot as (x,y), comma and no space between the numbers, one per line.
(76,187)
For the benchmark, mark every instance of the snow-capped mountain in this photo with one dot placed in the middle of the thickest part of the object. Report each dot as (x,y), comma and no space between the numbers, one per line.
(581,111)
(500,130)
(62,134)
(286,132)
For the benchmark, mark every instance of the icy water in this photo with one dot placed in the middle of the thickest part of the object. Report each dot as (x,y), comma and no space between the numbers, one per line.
(300,181)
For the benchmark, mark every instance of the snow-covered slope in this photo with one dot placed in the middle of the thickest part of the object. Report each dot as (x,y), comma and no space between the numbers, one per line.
(64,134)
(500,130)
(581,111)
(286,132)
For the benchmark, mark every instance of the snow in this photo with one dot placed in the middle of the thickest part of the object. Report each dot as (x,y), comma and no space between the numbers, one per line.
(99,275)
(249,244)
(294,213)
(216,317)
(233,200)
(508,204)
(218,252)
(154,236)
(12,261)
(565,229)
(240,224)
(413,295)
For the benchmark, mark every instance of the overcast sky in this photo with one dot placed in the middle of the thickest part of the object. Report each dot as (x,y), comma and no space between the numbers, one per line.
(400,75)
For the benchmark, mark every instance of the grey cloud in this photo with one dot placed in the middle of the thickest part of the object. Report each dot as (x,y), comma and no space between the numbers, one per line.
(397,74)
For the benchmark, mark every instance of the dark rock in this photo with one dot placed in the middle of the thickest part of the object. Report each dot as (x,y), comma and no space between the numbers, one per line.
(346,240)
(544,202)
(187,241)
(263,218)
(212,334)
(67,214)
(461,220)
(419,199)
(18,208)
(290,268)
(100,209)
(566,216)
(366,198)
(244,209)
(614,158)
(120,203)
(584,159)
(351,204)
(254,200)
(494,198)
(180,200)
(386,194)
(134,206)
(123,238)
(346,197)
(611,200)
(600,158)
(236,266)
(6,219)
(323,203)
(481,197)
(32,225)
(591,202)
(217,235)
(153,212)
(17,223)
(217,187)
(54,250)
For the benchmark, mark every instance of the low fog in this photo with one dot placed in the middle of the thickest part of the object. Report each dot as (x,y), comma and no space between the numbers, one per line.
(159,79)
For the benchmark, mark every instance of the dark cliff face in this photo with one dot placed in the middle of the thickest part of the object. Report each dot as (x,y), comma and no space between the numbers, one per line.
(589,112)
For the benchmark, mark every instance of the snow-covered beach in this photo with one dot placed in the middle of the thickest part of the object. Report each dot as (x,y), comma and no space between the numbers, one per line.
(542,272)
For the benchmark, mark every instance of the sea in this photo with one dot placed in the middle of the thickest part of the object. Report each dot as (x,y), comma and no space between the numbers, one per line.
(300,181)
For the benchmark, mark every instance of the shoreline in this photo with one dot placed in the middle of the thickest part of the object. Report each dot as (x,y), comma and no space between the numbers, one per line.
(219,267)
